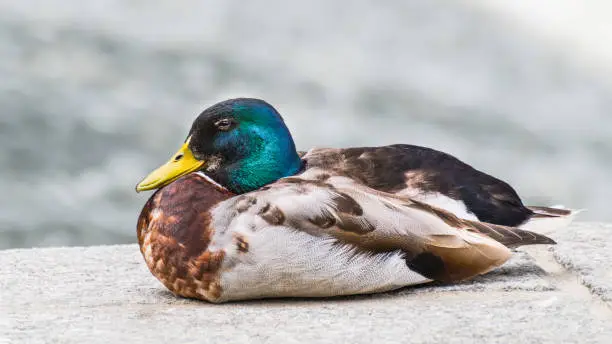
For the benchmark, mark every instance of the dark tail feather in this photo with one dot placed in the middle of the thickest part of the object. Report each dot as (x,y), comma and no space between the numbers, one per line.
(549,212)
(509,236)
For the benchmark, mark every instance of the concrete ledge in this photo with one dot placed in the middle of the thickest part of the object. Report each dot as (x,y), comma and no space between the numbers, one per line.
(586,248)
(106,294)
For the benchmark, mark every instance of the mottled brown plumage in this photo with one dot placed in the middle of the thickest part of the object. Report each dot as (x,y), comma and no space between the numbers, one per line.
(508,236)
(395,168)
(174,232)
(431,176)
(201,241)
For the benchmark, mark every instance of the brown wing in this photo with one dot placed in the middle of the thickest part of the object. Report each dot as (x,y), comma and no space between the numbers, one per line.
(397,168)
(435,243)
(508,236)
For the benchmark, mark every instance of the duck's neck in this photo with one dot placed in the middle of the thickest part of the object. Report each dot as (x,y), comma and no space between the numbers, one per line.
(267,161)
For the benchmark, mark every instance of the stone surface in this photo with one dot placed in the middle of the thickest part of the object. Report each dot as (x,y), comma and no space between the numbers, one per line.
(587,249)
(106,294)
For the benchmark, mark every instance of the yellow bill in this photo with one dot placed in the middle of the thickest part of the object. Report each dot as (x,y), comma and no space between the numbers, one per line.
(183,162)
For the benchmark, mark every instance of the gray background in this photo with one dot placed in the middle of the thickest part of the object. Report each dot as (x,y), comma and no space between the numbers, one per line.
(95,94)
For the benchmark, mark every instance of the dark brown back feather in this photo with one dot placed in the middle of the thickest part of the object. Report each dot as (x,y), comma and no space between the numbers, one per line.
(392,168)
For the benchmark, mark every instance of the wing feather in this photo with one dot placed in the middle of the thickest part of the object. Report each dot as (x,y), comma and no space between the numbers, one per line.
(434,242)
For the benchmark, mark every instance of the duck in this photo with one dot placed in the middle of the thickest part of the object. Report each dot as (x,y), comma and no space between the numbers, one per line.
(238,213)
(244,144)
(308,236)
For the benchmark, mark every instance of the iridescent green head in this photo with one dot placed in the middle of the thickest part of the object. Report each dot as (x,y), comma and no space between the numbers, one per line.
(243,144)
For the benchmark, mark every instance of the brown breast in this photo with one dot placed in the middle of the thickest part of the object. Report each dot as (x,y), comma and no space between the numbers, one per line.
(174,231)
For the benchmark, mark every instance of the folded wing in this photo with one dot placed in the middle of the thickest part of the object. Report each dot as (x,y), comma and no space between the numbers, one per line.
(434,242)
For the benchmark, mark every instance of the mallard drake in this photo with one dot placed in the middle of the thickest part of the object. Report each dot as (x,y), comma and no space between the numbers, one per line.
(241,214)
(243,144)
(312,235)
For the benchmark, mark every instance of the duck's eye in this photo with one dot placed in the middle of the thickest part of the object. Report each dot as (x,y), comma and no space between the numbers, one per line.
(223,124)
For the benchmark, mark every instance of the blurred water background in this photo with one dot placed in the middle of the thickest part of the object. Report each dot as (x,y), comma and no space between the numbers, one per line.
(95,94)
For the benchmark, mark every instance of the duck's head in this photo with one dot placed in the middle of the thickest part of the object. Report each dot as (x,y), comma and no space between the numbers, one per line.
(243,144)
